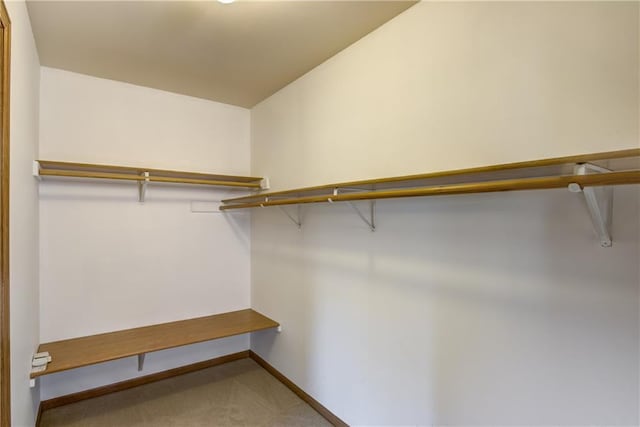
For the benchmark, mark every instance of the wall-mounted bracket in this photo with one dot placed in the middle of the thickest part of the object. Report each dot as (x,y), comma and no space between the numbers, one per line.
(39,363)
(369,221)
(297,220)
(372,204)
(599,202)
(142,186)
(141,361)
(36,170)
(264,183)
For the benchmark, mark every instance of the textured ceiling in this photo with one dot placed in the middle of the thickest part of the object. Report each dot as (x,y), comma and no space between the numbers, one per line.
(238,53)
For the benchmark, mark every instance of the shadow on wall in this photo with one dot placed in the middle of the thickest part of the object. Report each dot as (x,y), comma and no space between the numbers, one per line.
(499,309)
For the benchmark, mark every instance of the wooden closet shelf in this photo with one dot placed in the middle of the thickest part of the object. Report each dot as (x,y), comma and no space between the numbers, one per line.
(89,350)
(86,170)
(600,179)
(624,167)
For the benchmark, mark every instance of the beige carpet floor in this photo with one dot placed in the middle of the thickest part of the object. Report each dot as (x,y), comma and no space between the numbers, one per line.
(239,393)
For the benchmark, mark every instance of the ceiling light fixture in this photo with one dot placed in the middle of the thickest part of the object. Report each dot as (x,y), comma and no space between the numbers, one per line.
(226,1)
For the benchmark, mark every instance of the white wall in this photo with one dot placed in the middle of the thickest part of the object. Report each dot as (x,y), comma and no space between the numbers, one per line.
(495,309)
(23,249)
(108,262)
(449,85)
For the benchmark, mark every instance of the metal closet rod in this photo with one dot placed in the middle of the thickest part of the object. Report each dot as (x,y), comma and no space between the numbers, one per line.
(592,180)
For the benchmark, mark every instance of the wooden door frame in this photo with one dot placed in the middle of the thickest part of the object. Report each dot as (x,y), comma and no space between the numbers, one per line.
(5,354)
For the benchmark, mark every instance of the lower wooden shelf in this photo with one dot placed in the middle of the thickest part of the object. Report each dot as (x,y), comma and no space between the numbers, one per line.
(84,351)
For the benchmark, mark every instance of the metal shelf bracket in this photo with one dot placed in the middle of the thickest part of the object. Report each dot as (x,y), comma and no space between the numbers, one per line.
(297,219)
(599,202)
(264,183)
(369,221)
(141,361)
(142,186)
(36,170)
(372,204)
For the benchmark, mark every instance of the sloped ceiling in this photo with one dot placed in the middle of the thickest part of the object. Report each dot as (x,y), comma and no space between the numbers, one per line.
(237,53)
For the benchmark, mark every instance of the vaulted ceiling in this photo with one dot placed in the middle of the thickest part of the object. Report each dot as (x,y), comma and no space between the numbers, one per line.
(237,53)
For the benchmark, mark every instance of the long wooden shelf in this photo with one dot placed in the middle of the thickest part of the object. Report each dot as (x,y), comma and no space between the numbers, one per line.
(624,167)
(140,174)
(84,351)
(600,179)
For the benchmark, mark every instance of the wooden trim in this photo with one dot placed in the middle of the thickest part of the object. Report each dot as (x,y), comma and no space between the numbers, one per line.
(39,415)
(599,179)
(321,409)
(129,177)
(528,165)
(204,182)
(83,174)
(5,353)
(136,382)
(78,352)
(159,376)
(89,167)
